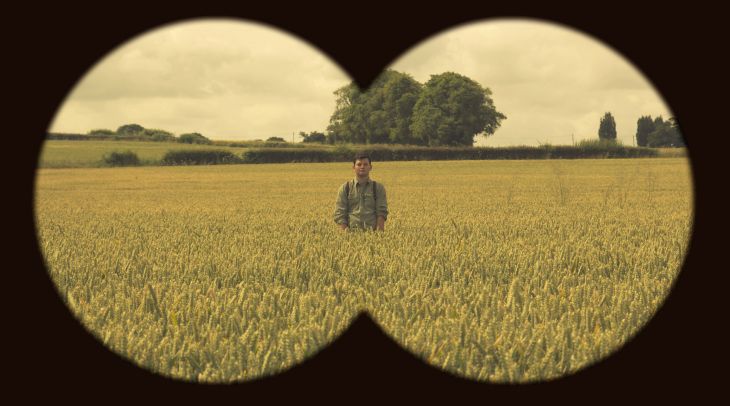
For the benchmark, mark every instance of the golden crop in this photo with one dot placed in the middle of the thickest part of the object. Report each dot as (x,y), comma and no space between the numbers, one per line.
(493,270)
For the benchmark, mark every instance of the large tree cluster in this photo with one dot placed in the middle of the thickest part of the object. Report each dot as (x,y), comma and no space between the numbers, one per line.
(449,109)
(658,133)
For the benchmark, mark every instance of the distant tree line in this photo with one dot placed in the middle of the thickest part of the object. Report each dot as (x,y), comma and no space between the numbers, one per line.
(137,132)
(448,110)
(654,133)
(658,133)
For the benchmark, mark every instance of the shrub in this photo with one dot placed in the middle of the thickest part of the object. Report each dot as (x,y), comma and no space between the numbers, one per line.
(343,153)
(66,136)
(158,135)
(102,132)
(200,157)
(604,149)
(193,138)
(285,155)
(262,144)
(125,158)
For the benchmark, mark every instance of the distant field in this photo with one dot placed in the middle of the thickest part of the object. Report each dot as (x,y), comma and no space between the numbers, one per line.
(87,154)
(493,270)
(672,152)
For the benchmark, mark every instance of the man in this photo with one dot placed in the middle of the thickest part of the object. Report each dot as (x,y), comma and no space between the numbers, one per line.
(361,202)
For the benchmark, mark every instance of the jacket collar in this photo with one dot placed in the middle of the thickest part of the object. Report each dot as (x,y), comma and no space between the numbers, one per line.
(354,181)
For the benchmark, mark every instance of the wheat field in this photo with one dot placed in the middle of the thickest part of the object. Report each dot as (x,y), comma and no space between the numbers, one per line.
(504,271)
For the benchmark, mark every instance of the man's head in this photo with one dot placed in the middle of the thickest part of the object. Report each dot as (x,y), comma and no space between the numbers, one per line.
(360,156)
(362,165)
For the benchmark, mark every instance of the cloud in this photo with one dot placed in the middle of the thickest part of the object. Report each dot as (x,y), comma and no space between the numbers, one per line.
(234,79)
(208,72)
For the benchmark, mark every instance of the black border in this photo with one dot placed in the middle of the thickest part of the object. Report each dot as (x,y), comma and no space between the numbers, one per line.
(53,46)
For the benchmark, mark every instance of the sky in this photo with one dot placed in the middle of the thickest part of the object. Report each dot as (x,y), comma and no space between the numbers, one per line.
(239,80)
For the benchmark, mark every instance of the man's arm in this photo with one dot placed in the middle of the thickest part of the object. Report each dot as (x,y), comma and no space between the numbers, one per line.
(381,207)
(341,215)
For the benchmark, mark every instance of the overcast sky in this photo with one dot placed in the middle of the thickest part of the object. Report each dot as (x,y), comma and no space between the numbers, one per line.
(237,80)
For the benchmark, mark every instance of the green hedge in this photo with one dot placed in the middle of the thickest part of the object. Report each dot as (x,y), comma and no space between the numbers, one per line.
(385,153)
(262,144)
(280,155)
(125,158)
(200,157)
(100,137)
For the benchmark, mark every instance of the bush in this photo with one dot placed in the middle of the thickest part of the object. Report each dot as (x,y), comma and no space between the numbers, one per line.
(158,135)
(193,138)
(281,155)
(261,144)
(343,153)
(66,136)
(102,132)
(125,158)
(604,149)
(200,157)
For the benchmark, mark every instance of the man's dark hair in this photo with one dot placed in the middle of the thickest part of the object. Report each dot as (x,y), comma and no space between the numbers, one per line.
(362,155)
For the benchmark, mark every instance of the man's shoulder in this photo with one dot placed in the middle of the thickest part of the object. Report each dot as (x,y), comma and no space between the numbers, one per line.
(346,185)
(379,187)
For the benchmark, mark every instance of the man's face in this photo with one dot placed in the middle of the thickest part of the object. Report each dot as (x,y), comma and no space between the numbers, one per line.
(362,168)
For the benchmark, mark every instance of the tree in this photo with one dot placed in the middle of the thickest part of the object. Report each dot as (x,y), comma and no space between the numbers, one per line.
(346,121)
(665,134)
(679,138)
(607,128)
(275,139)
(451,110)
(313,137)
(380,115)
(661,137)
(657,133)
(658,122)
(674,123)
(193,138)
(644,127)
(130,129)
(400,92)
